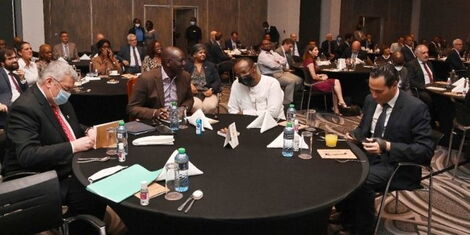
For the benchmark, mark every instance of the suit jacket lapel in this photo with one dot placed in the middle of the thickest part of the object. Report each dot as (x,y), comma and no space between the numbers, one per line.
(369,115)
(46,109)
(5,77)
(394,116)
(159,86)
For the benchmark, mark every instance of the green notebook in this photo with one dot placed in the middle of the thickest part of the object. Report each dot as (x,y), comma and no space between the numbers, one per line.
(123,184)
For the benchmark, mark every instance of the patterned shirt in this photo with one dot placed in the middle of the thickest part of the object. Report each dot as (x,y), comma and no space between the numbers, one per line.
(169,88)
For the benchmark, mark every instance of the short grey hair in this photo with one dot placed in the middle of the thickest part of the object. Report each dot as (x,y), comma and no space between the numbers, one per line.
(131,35)
(419,47)
(57,70)
(456,40)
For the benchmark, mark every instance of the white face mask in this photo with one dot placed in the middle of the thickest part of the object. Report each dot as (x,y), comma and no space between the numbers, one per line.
(192,22)
(399,68)
(137,25)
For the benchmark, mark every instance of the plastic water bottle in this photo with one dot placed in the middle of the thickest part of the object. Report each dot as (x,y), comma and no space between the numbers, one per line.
(288,146)
(182,160)
(290,114)
(144,194)
(121,138)
(296,137)
(199,127)
(174,124)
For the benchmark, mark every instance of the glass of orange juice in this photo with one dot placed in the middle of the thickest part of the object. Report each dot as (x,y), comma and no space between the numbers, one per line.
(331,139)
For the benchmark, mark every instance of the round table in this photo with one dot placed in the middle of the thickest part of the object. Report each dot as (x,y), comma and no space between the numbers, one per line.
(98,102)
(249,189)
(83,65)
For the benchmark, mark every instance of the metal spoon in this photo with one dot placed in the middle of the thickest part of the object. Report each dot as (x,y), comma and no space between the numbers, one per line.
(196,196)
(87,160)
(180,208)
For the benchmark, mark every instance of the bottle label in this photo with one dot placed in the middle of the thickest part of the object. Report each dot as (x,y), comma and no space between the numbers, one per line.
(119,135)
(288,143)
(183,166)
(143,195)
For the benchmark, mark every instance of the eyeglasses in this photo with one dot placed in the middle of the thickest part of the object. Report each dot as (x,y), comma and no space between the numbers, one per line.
(60,84)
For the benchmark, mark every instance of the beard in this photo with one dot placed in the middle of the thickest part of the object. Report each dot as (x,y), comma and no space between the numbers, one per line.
(12,67)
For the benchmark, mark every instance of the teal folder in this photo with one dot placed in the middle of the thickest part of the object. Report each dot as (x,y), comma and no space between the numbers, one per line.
(123,184)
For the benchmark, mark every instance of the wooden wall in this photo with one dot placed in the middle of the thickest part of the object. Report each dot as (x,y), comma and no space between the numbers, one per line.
(395,13)
(446,18)
(85,18)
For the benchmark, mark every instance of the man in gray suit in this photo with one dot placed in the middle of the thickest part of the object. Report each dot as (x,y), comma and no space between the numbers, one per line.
(65,49)
(285,50)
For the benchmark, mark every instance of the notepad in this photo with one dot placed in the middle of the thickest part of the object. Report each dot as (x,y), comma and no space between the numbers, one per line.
(123,184)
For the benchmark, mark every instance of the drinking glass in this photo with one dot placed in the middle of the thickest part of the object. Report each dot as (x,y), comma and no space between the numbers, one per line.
(311,119)
(171,182)
(306,151)
(183,118)
(331,139)
(111,141)
(79,75)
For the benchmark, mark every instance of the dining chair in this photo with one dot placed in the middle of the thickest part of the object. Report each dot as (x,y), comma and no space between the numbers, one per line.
(436,137)
(461,123)
(308,83)
(32,204)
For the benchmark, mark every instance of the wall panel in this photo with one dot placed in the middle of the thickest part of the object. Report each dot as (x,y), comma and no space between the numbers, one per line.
(252,15)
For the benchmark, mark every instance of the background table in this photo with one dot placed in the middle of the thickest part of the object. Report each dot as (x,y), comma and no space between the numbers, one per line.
(250,189)
(103,103)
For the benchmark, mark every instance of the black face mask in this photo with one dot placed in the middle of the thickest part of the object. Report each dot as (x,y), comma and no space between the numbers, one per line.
(246,80)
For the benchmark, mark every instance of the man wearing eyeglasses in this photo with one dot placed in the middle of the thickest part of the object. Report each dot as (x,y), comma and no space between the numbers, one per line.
(44,134)
(455,60)
(253,93)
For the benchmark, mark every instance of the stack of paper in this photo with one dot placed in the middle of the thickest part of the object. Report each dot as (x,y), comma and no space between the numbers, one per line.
(192,170)
(264,121)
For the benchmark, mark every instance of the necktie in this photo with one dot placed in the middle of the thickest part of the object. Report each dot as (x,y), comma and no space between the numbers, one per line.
(135,56)
(329,48)
(66,52)
(15,82)
(428,72)
(62,124)
(380,125)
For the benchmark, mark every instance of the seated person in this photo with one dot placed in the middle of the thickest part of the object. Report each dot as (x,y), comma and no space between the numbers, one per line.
(285,50)
(44,134)
(131,55)
(354,52)
(156,89)
(394,128)
(105,61)
(454,60)
(205,81)
(367,43)
(217,55)
(94,47)
(153,59)
(322,83)
(384,56)
(253,93)
(45,57)
(31,73)
(65,49)
(272,64)
(398,60)
(233,43)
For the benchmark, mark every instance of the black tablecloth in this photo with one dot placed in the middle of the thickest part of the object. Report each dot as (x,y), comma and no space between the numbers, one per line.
(355,83)
(103,103)
(250,188)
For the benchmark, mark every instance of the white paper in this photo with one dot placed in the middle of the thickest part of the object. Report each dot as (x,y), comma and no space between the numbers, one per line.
(264,121)
(192,169)
(460,86)
(155,140)
(105,172)
(323,63)
(279,142)
(232,136)
(206,122)
(85,57)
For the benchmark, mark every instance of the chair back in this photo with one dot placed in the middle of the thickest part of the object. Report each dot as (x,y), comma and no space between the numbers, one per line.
(30,204)
(307,77)
(461,114)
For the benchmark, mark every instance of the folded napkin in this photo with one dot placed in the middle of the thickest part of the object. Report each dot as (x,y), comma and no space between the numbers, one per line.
(236,52)
(264,121)
(105,172)
(460,86)
(192,170)
(89,78)
(206,122)
(323,63)
(85,57)
(279,142)
(341,64)
(359,61)
(155,140)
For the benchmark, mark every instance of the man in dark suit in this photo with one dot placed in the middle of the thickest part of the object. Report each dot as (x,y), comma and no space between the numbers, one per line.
(193,34)
(355,52)
(435,47)
(232,43)
(44,134)
(272,31)
(454,59)
(328,47)
(394,128)
(131,55)
(156,89)
(367,42)
(348,39)
(11,85)
(407,50)
(217,55)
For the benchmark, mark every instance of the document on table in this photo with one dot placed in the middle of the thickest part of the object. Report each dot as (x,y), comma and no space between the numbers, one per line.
(336,154)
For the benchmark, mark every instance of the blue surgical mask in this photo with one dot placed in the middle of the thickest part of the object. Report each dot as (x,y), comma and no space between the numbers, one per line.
(62,97)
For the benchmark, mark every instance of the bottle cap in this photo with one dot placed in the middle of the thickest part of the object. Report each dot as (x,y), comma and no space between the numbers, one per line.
(289,124)
(181,150)
(291,105)
(173,103)
(121,123)
(143,184)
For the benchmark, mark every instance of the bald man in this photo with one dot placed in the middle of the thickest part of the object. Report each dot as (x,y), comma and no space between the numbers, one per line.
(454,59)
(398,60)
(156,89)
(355,52)
(328,47)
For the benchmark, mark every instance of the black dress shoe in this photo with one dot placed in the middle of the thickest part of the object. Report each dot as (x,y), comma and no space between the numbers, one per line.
(349,111)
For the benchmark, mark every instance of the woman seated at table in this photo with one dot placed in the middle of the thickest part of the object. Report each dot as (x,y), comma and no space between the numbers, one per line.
(105,61)
(153,59)
(322,83)
(205,80)
(45,57)
(385,56)
(27,66)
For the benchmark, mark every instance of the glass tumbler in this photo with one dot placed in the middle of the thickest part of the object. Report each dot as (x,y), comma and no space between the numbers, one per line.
(306,151)
(111,141)
(171,182)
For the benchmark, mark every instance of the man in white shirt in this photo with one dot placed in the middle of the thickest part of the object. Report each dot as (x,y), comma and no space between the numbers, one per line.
(272,64)
(396,46)
(253,93)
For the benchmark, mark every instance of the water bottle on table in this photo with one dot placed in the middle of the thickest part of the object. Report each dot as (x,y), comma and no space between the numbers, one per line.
(290,114)
(182,159)
(199,127)
(174,120)
(288,145)
(121,137)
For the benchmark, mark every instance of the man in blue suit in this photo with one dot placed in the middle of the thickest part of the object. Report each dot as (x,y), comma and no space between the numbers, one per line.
(11,84)
(395,128)
(131,55)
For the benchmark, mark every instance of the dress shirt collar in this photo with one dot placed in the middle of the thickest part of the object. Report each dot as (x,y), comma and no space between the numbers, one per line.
(386,57)
(165,75)
(392,102)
